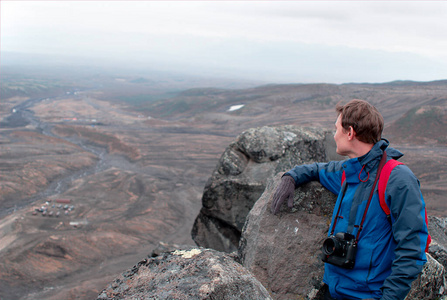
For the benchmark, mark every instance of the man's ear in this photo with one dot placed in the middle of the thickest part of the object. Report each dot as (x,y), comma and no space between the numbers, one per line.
(351,133)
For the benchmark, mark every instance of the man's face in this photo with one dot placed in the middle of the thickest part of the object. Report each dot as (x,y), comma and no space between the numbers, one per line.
(341,138)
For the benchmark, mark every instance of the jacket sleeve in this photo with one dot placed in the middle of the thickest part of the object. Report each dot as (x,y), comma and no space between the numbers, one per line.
(328,174)
(404,198)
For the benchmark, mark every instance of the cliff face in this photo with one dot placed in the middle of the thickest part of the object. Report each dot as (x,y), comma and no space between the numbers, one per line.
(241,175)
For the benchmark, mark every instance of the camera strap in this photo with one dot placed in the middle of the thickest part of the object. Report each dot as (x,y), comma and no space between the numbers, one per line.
(379,169)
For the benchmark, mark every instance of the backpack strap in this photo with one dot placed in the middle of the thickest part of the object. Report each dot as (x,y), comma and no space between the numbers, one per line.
(383,180)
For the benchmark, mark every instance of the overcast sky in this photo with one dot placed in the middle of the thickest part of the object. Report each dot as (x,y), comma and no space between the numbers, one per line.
(274,41)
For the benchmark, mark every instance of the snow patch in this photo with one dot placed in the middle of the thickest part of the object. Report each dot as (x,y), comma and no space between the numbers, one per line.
(236,107)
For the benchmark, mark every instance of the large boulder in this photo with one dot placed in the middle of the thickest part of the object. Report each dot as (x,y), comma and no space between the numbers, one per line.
(241,175)
(191,274)
(282,250)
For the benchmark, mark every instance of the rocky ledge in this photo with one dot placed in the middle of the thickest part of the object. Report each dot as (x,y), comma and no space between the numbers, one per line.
(187,274)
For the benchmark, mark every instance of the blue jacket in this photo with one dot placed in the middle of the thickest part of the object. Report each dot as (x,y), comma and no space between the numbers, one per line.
(389,257)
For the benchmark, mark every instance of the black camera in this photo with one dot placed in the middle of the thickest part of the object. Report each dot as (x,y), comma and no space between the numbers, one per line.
(340,250)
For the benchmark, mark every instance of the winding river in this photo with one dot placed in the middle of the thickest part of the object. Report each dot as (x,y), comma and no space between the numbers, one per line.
(21,116)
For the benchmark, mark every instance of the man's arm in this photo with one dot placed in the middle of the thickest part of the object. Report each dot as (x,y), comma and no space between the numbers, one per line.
(410,232)
(328,174)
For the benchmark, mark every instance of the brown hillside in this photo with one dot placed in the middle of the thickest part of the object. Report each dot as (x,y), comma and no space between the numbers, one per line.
(425,124)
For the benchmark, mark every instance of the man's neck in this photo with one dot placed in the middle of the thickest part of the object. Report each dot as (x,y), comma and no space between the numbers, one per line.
(359,149)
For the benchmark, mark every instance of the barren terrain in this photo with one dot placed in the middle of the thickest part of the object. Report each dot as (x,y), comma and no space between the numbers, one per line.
(133,174)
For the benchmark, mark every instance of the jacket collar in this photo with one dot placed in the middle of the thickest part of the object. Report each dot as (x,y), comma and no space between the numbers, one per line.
(368,162)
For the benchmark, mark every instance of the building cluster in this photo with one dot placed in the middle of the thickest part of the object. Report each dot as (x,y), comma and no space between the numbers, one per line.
(55,208)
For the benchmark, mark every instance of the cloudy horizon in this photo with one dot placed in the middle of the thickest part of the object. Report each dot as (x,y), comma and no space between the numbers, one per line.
(280,41)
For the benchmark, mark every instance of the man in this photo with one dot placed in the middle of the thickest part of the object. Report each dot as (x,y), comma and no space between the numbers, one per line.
(389,254)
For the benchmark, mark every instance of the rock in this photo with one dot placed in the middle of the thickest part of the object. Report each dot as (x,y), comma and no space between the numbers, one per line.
(241,175)
(283,250)
(438,230)
(431,283)
(166,247)
(196,273)
(435,284)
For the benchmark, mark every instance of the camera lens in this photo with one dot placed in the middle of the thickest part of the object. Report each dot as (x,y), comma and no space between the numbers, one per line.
(329,246)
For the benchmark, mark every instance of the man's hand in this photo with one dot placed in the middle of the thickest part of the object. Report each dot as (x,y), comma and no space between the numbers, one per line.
(285,190)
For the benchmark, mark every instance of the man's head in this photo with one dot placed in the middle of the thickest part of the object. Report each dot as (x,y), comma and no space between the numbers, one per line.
(364,119)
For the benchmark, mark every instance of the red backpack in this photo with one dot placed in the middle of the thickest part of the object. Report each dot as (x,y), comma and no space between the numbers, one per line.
(383,181)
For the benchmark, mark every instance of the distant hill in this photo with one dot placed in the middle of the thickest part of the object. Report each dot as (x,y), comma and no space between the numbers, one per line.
(312,104)
(418,108)
(425,124)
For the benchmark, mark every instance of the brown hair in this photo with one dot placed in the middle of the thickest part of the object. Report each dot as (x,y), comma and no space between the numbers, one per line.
(364,118)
